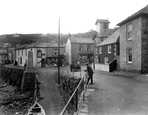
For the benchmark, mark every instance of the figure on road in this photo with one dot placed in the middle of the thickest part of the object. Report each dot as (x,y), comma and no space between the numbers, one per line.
(90,72)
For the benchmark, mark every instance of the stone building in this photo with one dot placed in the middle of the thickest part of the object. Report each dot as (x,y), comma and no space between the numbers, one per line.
(134,42)
(79,50)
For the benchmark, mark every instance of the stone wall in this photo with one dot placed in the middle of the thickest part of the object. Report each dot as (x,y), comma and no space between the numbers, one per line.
(24,81)
(28,82)
(12,75)
(144,43)
(135,44)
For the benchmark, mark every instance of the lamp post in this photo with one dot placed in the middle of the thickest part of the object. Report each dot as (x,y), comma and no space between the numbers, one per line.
(59,52)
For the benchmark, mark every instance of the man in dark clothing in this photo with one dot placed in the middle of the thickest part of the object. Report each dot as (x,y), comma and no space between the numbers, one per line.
(90,73)
(15,63)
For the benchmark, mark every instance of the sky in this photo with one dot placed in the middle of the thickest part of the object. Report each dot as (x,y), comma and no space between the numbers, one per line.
(76,16)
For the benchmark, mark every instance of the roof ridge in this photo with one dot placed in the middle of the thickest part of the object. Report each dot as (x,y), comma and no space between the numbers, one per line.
(143,10)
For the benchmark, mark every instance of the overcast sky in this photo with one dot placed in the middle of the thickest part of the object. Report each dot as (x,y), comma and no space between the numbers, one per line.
(41,16)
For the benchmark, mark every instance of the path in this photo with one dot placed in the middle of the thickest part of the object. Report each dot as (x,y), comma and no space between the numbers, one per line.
(115,95)
(52,102)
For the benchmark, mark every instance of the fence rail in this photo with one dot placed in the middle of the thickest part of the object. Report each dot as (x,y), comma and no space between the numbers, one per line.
(75,92)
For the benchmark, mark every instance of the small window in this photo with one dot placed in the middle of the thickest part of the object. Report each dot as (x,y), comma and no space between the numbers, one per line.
(109,48)
(55,52)
(129,55)
(88,47)
(129,32)
(20,60)
(80,47)
(100,50)
(106,60)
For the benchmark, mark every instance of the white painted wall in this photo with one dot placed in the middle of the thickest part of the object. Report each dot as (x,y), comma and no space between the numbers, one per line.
(37,62)
(68,51)
(25,57)
(102,67)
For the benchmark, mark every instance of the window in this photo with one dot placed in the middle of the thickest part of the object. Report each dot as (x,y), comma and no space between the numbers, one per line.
(80,47)
(100,50)
(55,52)
(88,47)
(109,48)
(129,32)
(105,25)
(129,55)
(20,60)
(106,60)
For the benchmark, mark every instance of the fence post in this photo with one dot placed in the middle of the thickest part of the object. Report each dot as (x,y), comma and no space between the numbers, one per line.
(76,100)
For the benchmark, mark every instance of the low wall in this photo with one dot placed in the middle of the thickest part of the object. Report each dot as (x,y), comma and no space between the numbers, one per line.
(15,76)
(101,67)
(12,75)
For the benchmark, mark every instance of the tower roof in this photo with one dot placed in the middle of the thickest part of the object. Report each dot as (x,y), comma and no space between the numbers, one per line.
(101,21)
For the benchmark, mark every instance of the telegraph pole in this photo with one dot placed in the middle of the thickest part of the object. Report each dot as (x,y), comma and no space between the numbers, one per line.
(59,52)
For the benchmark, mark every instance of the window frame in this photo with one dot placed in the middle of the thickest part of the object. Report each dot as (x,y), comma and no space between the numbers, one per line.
(129,57)
(20,60)
(100,50)
(105,60)
(88,47)
(55,50)
(80,47)
(129,29)
(109,49)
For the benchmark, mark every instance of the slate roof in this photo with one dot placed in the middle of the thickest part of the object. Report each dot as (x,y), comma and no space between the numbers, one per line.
(101,20)
(55,44)
(142,12)
(81,40)
(107,33)
(39,45)
(111,39)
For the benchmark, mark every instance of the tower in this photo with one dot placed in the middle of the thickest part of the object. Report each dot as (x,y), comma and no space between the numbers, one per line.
(102,27)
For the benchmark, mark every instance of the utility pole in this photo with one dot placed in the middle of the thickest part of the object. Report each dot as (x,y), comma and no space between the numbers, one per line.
(59,52)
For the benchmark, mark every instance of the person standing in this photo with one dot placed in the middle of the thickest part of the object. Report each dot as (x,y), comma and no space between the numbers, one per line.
(90,72)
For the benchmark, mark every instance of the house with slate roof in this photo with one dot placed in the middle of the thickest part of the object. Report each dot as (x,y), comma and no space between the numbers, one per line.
(134,42)
(79,50)
(107,52)
(103,32)
(43,53)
